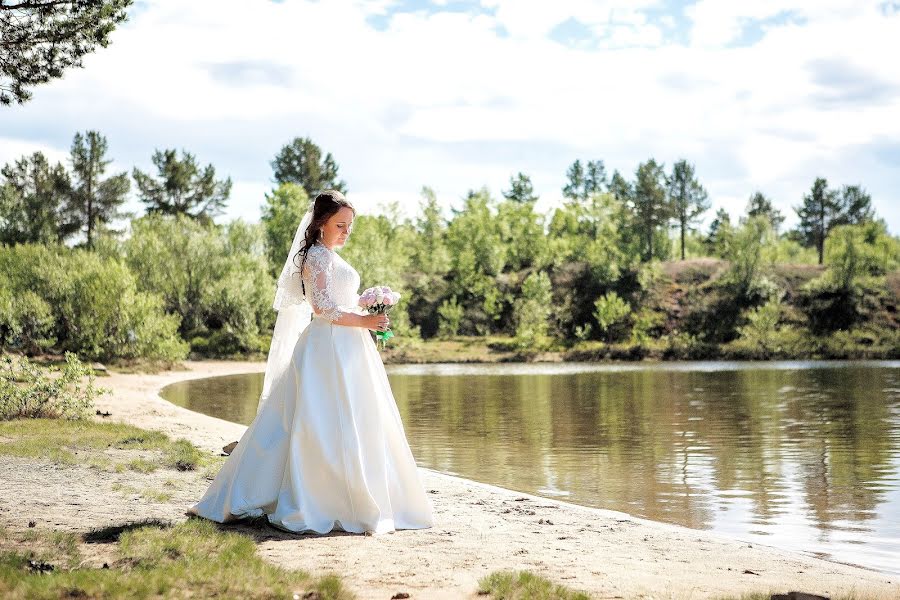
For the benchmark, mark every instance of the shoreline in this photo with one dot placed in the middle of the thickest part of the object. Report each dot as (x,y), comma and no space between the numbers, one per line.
(481,528)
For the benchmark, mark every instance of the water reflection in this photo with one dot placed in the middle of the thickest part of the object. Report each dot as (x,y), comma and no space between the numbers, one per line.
(801,456)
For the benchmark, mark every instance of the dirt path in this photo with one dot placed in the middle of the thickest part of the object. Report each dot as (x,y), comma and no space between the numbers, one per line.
(478,528)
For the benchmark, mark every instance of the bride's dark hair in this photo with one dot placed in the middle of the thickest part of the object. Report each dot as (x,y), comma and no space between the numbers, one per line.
(325,205)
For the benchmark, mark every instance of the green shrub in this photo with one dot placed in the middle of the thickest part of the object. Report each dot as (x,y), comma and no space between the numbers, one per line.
(30,391)
(26,321)
(611,313)
(450,315)
(531,311)
(82,302)
(215,278)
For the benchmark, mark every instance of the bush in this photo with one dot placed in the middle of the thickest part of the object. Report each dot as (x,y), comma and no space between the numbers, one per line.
(213,277)
(611,313)
(78,301)
(450,315)
(29,391)
(531,311)
(26,321)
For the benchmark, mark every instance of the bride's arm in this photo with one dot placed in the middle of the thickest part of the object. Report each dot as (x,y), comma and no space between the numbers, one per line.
(319,264)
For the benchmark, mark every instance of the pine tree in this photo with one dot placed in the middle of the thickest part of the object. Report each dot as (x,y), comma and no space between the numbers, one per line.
(182,188)
(687,197)
(575,176)
(43,38)
(720,233)
(584,181)
(34,202)
(301,162)
(652,210)
(95,201)
(760,205)
(820,211)
(619,187)
(520,189)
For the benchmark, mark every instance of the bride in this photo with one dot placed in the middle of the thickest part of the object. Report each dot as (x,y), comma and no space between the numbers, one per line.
(327,449)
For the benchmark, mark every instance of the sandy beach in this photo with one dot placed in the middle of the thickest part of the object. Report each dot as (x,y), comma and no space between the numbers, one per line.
(478,528)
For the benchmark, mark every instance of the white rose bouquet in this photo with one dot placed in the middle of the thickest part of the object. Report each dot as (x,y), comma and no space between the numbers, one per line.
(380,300)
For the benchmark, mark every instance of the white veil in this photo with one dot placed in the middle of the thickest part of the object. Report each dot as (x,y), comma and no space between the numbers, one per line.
(294,314)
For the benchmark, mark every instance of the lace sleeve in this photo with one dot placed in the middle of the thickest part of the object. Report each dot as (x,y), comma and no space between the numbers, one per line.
(318,281)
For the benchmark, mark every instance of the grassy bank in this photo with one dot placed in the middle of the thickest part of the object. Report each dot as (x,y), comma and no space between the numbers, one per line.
(524,585)
(194,559)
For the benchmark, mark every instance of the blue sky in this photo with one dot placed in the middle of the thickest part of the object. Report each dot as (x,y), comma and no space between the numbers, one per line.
(461,94)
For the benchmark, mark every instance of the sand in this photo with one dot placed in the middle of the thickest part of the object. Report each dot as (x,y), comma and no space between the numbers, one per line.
(478,528)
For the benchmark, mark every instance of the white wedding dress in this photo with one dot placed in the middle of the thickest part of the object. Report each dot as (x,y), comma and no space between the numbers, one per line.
(327,449)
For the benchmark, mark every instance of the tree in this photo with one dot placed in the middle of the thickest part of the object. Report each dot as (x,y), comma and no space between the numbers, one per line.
(95,201)
(301,162)
(281,215)
(34,202)
(856,206)
(594,178)
(619,187)
(820,211)
(575,177)
(720,233)
(182,188)
(759,205)
(652,210)
(585,181)
(43,38)
(531,311)
(520,189)
(430,252)
(687,197)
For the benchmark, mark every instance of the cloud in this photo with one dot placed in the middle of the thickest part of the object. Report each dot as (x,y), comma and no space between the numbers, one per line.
(457,95)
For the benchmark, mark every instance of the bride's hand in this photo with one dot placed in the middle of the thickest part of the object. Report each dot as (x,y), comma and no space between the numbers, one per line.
(377,322)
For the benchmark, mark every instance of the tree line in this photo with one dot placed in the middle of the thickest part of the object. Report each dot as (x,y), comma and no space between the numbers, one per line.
(587,272)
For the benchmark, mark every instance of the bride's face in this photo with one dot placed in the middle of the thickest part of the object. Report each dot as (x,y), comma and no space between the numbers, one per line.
(337,229)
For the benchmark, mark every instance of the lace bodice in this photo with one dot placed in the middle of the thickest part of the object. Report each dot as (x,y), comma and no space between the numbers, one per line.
(331,283)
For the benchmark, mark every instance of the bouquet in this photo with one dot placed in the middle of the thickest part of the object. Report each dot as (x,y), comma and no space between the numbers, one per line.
(380,299)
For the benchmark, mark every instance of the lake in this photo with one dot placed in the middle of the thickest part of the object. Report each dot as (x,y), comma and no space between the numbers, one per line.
(799,455)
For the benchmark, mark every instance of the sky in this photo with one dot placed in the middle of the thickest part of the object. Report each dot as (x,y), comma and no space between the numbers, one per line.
(460,94)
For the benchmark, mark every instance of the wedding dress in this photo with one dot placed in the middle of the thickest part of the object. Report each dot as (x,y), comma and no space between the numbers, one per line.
(327,449)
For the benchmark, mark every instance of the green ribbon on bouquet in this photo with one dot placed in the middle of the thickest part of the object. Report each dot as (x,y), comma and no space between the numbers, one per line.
(383,337)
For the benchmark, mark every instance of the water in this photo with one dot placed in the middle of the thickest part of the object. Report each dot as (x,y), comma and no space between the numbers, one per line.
(799,455)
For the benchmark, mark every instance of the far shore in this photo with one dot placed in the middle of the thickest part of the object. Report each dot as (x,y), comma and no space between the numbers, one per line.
(479,528)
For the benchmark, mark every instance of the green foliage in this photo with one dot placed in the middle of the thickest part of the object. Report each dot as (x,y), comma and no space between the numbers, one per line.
(43,38)
(858,251)
(94,302)
(611,313)
(215,278)
(182,187)
(824,208)
(520,189)
(301,162)
(26,321)
(29,391)
(281,215)
(96,202)
(531,311)
(652,209)
(450,314)
(748,252)
(646,322)
(761,330)
(34,200)
(584,181)
(761,206)
(688,199)
(521,233)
